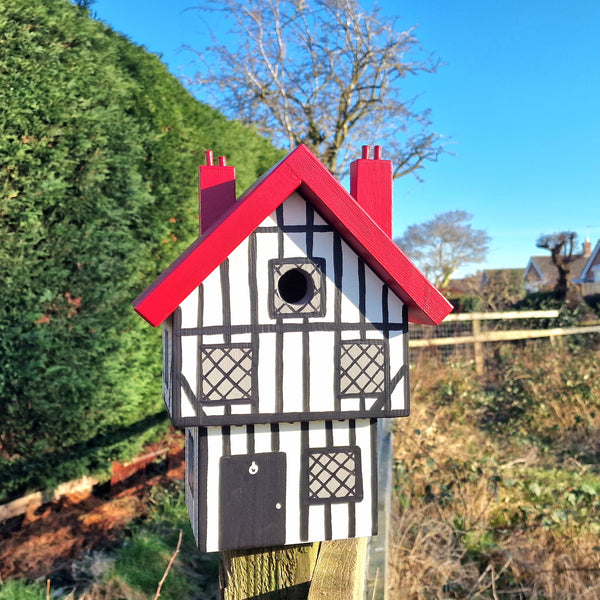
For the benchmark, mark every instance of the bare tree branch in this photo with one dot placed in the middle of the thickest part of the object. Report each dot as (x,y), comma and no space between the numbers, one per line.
(164,577)
(325,73)
(561,246)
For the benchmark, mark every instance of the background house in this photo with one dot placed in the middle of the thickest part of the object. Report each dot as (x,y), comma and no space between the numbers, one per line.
(541,274)
(589,278)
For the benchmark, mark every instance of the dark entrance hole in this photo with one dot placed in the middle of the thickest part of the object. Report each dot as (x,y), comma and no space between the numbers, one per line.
(295,286)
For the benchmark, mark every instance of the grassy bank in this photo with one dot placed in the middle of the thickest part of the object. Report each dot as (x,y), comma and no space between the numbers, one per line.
(497,480)
(133,565)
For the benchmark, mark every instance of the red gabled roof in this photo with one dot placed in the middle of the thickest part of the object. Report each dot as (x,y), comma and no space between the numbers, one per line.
(300,171)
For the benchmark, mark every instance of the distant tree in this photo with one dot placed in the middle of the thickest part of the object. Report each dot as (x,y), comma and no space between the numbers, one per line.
(443,244)
(501,289)
(561,247)
(325,73)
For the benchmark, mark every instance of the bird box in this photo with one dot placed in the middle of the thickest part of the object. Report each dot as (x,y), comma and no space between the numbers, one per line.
(285,339)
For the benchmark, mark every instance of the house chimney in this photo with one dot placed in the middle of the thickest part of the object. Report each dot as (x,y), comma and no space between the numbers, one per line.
(371,186)
(216,190)
(587,248)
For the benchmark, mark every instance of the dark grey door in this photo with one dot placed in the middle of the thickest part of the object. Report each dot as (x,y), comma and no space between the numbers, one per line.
(252,500)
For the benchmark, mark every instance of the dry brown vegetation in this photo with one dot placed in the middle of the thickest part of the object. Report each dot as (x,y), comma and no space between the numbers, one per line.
(497,480)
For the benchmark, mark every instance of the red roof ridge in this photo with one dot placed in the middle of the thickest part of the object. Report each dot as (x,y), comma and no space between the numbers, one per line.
(302,171)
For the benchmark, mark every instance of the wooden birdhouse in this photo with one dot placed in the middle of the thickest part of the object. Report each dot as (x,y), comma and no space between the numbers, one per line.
(285,339)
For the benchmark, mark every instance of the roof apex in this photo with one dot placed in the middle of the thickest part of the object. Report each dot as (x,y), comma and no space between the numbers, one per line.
(299,171)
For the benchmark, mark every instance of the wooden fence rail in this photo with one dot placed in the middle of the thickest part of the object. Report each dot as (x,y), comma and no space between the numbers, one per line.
(478,337)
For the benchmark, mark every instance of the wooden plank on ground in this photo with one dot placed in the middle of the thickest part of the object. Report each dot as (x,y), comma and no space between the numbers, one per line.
(31,502)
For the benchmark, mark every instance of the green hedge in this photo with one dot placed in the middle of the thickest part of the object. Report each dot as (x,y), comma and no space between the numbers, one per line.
(99,149)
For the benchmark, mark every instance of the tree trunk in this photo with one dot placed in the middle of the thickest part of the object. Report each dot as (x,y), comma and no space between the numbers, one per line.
(562,283)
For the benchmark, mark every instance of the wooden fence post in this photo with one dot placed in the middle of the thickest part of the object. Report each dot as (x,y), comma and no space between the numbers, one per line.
(478,346)
(377,570)
(340,571)
(280,573)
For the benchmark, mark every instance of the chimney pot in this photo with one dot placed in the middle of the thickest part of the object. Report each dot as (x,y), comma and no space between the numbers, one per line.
(371,187)
(216,190)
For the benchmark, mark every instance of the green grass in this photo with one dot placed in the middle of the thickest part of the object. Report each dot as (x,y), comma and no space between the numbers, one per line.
(21,590)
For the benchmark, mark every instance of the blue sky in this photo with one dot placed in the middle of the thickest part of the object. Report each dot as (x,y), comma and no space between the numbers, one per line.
(518,99)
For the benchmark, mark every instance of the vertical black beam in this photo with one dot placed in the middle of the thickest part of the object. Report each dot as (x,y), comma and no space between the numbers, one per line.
(176,365)
(337,276)
(305,370)
(254,336)
(279,216)
(278,369)
(362,297)
(329,434)
(405,339)
(226,437)
(226,298)
(274,437)
(351,505)
(304,442)
(279,321)
(202,462)
(328,527)
(250,442)
(374,478)
(385,311)
(199,344)
(310,223)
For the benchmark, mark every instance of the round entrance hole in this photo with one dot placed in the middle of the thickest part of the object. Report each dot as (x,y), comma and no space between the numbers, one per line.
(295,286)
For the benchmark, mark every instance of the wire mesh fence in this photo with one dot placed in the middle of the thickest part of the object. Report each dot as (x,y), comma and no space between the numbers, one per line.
(472,336)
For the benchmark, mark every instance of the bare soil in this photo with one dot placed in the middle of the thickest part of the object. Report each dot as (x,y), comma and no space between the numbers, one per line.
(51,538)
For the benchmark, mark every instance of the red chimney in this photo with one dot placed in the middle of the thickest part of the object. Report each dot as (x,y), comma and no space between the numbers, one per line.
(216,190)
(371,186)
(587,248)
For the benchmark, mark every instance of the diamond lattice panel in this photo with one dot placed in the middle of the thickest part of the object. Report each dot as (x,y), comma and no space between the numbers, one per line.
(361,368)
(226,373)
(334,476)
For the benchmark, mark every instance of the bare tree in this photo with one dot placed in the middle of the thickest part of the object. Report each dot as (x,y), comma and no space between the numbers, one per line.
(561,247)
(443,244)
(325,73)
(501,289)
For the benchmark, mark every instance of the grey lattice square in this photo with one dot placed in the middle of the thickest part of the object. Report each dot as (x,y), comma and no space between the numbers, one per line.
(334,475)
(226,373)
(362,368)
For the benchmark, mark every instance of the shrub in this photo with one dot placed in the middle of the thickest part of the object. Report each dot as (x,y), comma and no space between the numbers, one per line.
(98,160)
(497,485)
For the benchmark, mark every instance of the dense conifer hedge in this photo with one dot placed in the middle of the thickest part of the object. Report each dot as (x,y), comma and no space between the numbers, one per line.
(99,148)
